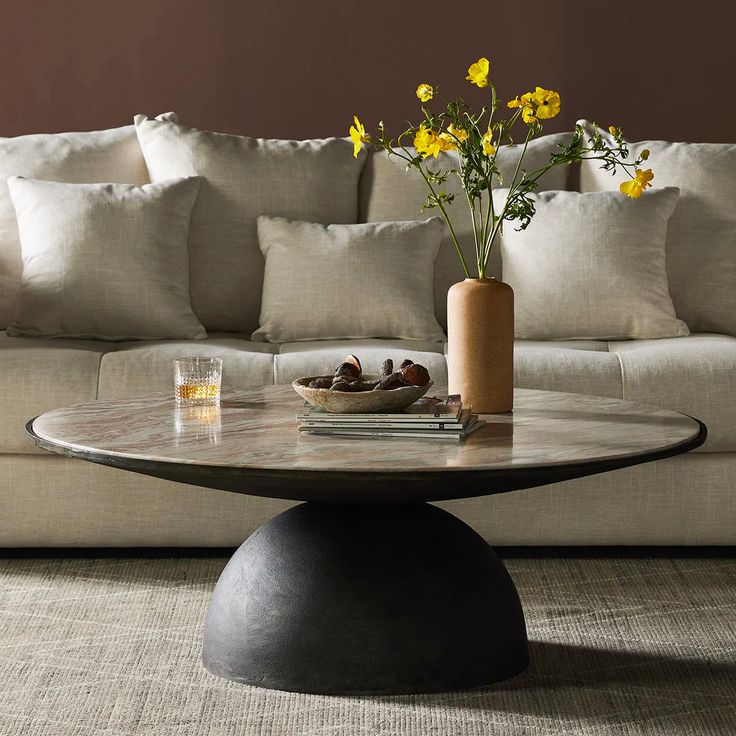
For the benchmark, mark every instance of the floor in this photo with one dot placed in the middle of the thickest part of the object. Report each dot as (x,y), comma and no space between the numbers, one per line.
(110,646)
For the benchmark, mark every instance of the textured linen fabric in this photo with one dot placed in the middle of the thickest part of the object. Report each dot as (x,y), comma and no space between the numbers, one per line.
(348,281)
(701,241)
(313,358)
(314,180)
(105,261)
(99,156)
(618,647)
(137,368)
(695,375)
(48,501)
(388,191)
(549,367)
(591,266)
(39,374)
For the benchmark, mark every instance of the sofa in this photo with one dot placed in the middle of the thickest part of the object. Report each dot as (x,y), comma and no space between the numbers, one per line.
(49,501)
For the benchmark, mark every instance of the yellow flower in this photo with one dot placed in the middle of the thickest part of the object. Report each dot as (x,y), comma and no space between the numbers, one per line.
(460,133)
(358,136)
(425,92)
(451,137)
(478,72)
(613,130)
(638,184)
(547,101)
(526,103)
(428,143)
(488,148)
(644,155)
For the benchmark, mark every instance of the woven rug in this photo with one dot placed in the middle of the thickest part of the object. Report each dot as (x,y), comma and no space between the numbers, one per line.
(618,646)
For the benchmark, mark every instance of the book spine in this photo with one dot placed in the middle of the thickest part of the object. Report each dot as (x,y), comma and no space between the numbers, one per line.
(435,426)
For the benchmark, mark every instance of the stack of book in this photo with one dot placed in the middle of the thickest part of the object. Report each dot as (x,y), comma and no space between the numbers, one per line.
(426,418)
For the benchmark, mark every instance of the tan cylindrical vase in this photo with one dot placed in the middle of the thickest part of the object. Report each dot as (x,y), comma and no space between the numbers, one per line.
(480,350)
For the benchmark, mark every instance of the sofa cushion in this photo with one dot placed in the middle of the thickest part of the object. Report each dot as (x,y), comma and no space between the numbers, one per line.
(39,374)
(695,375)
(584,368)
(389,192)
(312,180)
(299,359)
(99,156)
(348,281)
(105,261)
(591,266)
(701,242)
(142,368)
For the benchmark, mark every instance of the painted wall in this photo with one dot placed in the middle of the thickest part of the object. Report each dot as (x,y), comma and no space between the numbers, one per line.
(301,68)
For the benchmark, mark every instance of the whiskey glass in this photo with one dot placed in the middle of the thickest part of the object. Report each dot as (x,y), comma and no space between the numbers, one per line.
(197,381)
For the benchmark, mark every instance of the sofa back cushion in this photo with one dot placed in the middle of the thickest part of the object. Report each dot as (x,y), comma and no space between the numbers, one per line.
(388,191)
(701,241)
(98,156)
(348,281)
(104,261)
(242,178)
(591,266)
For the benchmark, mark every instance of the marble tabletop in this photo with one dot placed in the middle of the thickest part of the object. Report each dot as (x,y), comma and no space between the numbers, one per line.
(258,429)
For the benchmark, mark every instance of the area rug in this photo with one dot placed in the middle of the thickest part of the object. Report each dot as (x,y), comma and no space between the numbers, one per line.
(618,646)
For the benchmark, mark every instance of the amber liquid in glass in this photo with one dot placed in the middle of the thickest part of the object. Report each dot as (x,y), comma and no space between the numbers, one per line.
(197,392)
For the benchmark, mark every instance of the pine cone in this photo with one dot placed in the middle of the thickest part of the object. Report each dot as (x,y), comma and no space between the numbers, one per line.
(387,368)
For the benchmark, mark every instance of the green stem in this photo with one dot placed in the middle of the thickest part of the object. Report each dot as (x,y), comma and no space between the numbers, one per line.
(442,210)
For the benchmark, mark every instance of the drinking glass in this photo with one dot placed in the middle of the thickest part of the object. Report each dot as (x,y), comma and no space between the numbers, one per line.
(197,381)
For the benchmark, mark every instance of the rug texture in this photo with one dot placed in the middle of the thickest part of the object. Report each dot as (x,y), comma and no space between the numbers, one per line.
(618,646)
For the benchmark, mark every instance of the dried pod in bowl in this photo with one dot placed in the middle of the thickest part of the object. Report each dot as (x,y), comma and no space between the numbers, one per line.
(340,386)
(405,363)
(321,382)
(348,369)
(353,360)
(395,380)
(415,374)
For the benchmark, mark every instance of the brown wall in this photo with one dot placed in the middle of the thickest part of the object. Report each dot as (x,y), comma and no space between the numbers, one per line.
(301,68)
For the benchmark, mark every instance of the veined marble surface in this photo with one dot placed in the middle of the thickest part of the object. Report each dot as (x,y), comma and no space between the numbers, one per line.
(257,429)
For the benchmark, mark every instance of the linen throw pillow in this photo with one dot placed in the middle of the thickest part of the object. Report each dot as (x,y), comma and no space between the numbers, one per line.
(701,241)
(98,156)
(348,281)
(592,266)
(388,191)
(105,261)
(315,180)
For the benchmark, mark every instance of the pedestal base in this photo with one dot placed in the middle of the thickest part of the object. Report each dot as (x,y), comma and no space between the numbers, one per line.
(365,599)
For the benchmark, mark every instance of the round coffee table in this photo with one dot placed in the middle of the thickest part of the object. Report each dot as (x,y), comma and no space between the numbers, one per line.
(366,587)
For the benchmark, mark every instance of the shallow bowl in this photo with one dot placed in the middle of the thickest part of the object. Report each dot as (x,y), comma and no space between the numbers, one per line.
(360,402)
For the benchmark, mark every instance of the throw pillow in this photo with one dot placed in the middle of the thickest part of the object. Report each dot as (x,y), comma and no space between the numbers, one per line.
(99,156)
(106,261)
(242,178)
(389,192)
(348,281)
(701,242)
(592,266)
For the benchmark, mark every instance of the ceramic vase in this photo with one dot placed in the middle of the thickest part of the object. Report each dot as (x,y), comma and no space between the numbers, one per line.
(480,351)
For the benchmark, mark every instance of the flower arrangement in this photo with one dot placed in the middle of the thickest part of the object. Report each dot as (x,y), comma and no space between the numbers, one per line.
(477,138)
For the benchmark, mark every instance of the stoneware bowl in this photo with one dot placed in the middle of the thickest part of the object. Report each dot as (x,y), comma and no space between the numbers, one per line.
(361,402)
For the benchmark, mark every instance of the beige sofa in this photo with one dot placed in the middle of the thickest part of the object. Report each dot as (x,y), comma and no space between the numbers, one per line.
(50,501)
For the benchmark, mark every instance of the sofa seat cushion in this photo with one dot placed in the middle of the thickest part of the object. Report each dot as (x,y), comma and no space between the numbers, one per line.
(299,359)
(695,375)
(575,366)
(38,374)
(137,368)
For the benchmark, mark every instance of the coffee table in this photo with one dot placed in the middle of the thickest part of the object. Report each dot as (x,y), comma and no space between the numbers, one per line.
(365,587)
